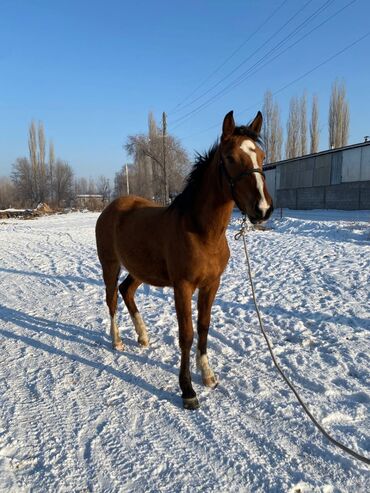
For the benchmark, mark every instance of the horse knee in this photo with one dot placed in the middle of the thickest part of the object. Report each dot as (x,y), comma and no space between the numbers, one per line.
(186,341)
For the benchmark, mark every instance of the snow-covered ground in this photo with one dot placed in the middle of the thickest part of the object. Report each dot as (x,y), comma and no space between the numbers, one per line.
(76,416)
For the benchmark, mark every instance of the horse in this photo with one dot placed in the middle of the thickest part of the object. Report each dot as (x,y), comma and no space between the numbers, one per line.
(184,245)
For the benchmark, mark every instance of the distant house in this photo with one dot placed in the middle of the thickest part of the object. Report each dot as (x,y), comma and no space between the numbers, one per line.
(90,201)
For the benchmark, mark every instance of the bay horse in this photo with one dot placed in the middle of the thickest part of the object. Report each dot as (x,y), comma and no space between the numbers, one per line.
(184,245)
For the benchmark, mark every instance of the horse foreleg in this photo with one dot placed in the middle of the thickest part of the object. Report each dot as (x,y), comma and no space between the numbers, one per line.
(183,294)
(127,289)
(206,297)
(110,276)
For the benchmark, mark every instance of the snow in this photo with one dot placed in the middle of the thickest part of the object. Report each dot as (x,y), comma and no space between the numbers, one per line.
(76,416)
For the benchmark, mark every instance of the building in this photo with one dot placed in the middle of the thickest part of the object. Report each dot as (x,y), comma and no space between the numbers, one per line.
(90,201)
(332,179)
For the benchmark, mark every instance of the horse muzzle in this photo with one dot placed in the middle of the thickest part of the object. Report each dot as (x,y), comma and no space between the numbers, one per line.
(260,215)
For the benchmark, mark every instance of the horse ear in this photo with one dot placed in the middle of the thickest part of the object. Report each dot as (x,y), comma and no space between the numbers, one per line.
(228,126)
(256,125)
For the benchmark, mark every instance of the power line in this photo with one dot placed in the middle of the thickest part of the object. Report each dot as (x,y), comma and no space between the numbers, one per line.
(324,62)
(242,76)
(263,24)
(254,52)
(234,83)
(247,73)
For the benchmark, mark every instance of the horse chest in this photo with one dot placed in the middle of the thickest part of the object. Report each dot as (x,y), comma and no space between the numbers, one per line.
(209,264)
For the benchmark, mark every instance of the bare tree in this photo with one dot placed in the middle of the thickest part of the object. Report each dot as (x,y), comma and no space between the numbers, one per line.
(123,183)
(314,126)
(23,180)
(63,183)
(41,164)
(119,187)
(103,188)
(35,180)
(32,147)
(148,152)
(36,146)
(51,171)
(91,186)
(345,125)
(292,146)
(143,151)
(303,125)
(178,165)
(153,151)
(7,193)
(338,116)
(272,132)
(81,186)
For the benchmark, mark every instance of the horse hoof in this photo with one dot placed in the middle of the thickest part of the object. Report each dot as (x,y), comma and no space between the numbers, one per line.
(191,403)
(211,382)
(119,346)
(143,342)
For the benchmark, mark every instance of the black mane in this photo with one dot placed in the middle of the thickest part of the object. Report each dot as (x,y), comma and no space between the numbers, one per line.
(193,182)
(184,200)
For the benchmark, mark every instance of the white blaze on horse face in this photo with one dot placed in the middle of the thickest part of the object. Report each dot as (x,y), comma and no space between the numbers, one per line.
(249,148)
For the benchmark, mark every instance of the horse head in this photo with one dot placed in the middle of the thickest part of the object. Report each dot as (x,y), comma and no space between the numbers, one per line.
(241,159)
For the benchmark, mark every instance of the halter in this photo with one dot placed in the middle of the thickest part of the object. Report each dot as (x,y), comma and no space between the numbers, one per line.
(232,180)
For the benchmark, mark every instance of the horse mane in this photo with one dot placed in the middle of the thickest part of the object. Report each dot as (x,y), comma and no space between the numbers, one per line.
(193,181)
(185,199)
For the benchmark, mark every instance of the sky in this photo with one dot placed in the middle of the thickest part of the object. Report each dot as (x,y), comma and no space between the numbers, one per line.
(91,70)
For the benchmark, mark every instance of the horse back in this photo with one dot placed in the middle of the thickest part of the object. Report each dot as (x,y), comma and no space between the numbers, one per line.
(155,245)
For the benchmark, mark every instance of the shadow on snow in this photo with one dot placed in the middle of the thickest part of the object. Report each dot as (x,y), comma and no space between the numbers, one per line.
(79,335)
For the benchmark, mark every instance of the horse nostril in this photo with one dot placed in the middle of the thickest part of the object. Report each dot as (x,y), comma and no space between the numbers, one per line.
(269,212)
(258,212)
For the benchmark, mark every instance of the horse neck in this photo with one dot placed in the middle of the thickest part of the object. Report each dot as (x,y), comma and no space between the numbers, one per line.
(212,206)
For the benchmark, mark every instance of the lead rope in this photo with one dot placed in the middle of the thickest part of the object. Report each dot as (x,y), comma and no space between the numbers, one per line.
(241,234)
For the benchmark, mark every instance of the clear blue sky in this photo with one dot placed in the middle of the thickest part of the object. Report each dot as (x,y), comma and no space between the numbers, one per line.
(91,70)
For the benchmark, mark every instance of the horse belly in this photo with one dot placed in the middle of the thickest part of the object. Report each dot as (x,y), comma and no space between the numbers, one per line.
(144,265)
(139,245)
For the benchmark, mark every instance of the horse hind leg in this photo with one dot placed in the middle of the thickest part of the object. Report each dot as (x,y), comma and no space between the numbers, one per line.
(110,275)
(127,289)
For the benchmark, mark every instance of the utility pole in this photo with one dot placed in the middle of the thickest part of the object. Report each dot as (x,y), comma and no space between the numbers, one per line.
(127,183)
(164,144)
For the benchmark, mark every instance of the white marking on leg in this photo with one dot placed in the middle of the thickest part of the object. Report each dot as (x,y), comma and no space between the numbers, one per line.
(249,148)
(208,376)
(116,339)
(113,328)
(140,329)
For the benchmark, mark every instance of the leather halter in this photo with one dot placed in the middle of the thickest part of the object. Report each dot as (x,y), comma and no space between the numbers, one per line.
(232,180)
